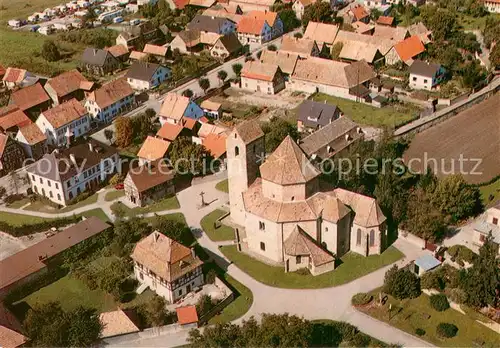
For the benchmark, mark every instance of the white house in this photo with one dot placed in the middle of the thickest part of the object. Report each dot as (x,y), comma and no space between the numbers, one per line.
(143,76)
(492,6)
(167,267)
(64,122)
(425,75)
(176,108)
(254,30)
(111,100)
(487,225)
(64,174)
(299,6)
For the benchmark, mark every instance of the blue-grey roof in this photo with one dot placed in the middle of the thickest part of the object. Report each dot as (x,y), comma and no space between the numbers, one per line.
(486,227)
(427,262)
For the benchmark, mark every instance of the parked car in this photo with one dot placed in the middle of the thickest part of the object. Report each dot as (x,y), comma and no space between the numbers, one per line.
(119,186)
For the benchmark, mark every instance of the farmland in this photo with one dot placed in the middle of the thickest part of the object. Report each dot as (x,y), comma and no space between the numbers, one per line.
(472,134)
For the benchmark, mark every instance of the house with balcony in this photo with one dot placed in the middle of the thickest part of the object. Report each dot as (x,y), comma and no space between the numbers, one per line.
(111,100)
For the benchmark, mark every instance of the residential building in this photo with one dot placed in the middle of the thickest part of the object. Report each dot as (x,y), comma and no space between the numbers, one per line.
(315,115)
(216,145)
(405,51)
(261,77)
(358,13)
(226,46)
(153,149)
(159,52)
(421,31)
(11,119)
(361,41)
(253,5)
(33,141)
(316,75)
(299,6)
(177,108)
(136,55)
(117,323)
(425,75)
(323,34)
(143,76)
(354,51)
(211,109)
(286,61)
(488,225)
(31,262)
(170,131)
(11,154)
(210,24)
(287,219)
(363,28)
(393,34)
(254,30)
(149,183)
(187,41)
(120,52)
(332,140)
(271,18)
(99,62)
(65,173)
(233,13)
(32,99)
(68,85)
(132,34)
(112,99)
(167,267)
(14,77)
(64,123)
(385,20)
(300,46)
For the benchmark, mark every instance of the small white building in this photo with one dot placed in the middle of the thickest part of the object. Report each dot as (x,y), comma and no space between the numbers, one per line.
(14,23)
(487,225)
(167,267)
(143,76)
(46,30)
(175,108)
(492,6)
(425,75)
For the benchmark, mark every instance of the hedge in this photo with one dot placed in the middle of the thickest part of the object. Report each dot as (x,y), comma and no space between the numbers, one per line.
(361,299)
(460,253)
(27,229)
(446,330)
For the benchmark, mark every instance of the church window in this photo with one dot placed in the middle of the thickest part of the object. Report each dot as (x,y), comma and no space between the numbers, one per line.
(262,246)
(236,151)
(262,226)
(293,198)
(372,237)
(358,237)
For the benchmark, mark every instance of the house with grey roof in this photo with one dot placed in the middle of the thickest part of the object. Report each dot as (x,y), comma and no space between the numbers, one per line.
(487,226)
(226,46)
(142,76)
(314,115)
(98,62)
(211,24)
(424,75)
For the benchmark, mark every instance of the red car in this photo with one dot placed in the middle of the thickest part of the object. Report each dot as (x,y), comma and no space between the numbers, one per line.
(119,187)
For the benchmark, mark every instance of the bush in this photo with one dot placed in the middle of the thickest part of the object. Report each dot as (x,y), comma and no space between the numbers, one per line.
(432,280)
(361,299)
(439,302)
(446,330)
(420,332)
(210,277)
(457,295)
(26,229)
(116,179)
(401,283)
(460,253)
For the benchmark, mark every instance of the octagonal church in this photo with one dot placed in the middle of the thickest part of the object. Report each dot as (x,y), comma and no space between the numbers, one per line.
(286,217)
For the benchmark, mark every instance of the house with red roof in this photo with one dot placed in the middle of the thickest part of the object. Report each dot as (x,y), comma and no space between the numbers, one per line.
(33,141)
(68,85)
(32,100)
(405,51)
(14,77)
(358,13)
(12,118)
(254,30)
(262,77)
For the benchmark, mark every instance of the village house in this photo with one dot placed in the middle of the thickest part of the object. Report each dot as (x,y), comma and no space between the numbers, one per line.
(187,41)
(153,149)
(271,18)
(286,61)
(65,173)
(315,115)
(149,183)
(12,118)
(260,77)
(99,62)
(299,6)
(167,267)
(33,141)
(117,323)
(487,225)
(392,34)
(425,75)
(211,24)
(170,131)
(287,219)
(112,99)
(137,55)
(158,52)
(143,76)
(334,139)
(226,46)
(363,28)
(300,46)
(405,51)
(176,108)
(420,30)
(216,146)
(357,13)
(15,77)
(369,42)
(253,5)
(120,52)
(323,34)
(32,262)
(64,123)
(385,20)
(132,34)
(233,13)
(32,100)
(68,85)
(11,154)
(254,30)
(492,6)
(354,51)
(211,109)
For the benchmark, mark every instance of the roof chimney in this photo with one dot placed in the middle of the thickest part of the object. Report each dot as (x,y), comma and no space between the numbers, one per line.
(95,51)
(192,252)
(91,146)
(156,236)
(72,158)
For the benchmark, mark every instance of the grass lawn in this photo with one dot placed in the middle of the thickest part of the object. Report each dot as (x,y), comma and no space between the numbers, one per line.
(471,23)
(21,219)
(223,186)
(111,196)
(417,313)
(168,203)
(19,203)
(72,292)
(392,115)
(98,212)
(179,217)
(491,189)
(353,266)
(22,9)
(45,208)
(239,306)
(222,233)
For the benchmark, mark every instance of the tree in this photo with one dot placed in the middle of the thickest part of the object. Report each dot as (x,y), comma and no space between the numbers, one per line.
(272,48)
(150,113)
(495,56)
(3,191)
(188,93)
(317,12)
(173,229)
(237,69)
(442,22)
(85,327)
(472,74)
(50,52)
(156,311)
(189,158)
(204,84)
(298,35)
(142,125)
(491,30)
(422,218)
(483,279)
(124,132)
(108,134)
(289,19)
(204,305)
(222,75)
(375,14)
(336,49)
(401,283)
(276,130)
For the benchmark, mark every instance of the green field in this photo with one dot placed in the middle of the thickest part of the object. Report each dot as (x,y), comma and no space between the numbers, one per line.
(208,225)
(353,266)
(45,208)
(471,23)
(411,314)
(391,116)
(492,189)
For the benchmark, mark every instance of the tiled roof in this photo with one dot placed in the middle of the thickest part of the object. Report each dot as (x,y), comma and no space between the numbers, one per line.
(67,82)
(169,131)
(299,243)
(165,257)
(202,3)
(288,165)
(286,61)
(153,149)
(189,123)
(31,96)
(361,27)
(187,315)
(174,106)
(215,144)
(422,68)
(143,71)
(396,34)
(359,12)
(206,129)
(155,50)
(409,48)
(10,329)
(385,20)
(421,31)
(259,71)
(300,46)
(210,105)
(210,24)
(249,131)
(136,55)
(17,118)
(117,50)
(32,134)
(14,75)
(383,44)
(223,13)
(269,16)
(111,92)
(95,56)
(116,323)
(313,114)
(151,175)
(366,209)
(356,50)
(230,42)
(250,25)
(65,113)
(321,32)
